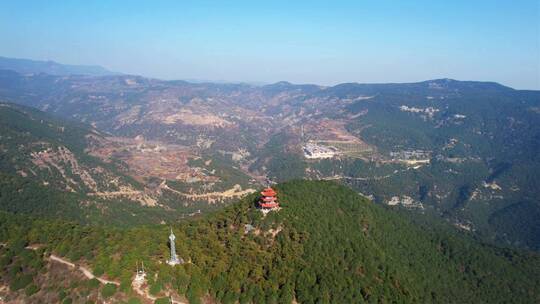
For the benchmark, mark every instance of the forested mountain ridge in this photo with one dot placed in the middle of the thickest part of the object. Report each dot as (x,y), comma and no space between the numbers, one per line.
(326,245)
(467,151)
(46,170)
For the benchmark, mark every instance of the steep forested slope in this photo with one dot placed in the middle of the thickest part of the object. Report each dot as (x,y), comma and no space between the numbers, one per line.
(483,141)
(326,245)
(45,170)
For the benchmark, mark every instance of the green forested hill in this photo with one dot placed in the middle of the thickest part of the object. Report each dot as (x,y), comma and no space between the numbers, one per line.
(326,245)
(45,170)
(23,187)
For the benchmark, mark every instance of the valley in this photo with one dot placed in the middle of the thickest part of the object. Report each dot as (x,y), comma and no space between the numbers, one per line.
(269,152)
(177,145)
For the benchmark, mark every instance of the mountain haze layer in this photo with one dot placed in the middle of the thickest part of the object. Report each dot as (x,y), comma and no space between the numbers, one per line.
(26,66)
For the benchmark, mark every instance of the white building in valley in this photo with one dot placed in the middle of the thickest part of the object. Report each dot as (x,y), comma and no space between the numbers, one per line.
(314,151)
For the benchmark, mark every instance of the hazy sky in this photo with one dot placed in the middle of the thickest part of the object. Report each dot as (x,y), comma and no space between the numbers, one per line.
(323,42)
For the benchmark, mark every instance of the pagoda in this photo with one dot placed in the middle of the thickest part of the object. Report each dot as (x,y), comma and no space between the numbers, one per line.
(268,200)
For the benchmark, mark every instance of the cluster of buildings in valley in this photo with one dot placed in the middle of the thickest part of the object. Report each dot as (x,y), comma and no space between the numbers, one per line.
(405,201)
(411,157)
(314,151)
(429,112)
(411,154)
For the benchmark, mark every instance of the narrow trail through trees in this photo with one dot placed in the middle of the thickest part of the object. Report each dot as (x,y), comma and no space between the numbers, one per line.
(137,287)
(87,273)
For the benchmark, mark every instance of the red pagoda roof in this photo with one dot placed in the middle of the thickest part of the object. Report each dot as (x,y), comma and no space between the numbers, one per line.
(268,199)
(269,205)
(268,192)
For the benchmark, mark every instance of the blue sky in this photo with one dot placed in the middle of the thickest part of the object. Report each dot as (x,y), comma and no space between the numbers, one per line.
(323,42)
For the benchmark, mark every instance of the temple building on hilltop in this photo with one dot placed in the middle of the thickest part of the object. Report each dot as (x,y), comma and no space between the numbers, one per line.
(268,200)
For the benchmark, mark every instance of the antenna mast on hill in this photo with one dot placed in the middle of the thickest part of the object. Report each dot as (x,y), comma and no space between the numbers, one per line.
(174,260)
(140,276)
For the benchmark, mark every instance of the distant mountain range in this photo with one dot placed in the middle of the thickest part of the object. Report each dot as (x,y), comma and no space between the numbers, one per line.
(466,151)
(406,193)
(26,66)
